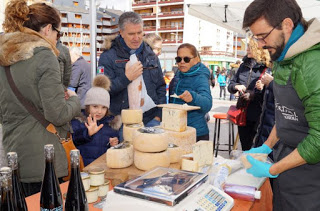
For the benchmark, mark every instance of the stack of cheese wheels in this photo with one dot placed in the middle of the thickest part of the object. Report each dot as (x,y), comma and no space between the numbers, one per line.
(120,156)
(150,146)
(132,121)
(174,121)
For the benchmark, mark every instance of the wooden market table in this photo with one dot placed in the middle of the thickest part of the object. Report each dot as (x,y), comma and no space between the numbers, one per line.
(120,175)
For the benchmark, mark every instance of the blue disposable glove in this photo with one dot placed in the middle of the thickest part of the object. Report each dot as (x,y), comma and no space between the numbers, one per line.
(259,169)
(262,149)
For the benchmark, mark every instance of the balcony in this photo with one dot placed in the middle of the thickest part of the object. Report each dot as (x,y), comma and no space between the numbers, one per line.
(169,1)
(173,41)
(144,3)
(171,14)
(170,28)
(148,15)
(216,53)
(149,28)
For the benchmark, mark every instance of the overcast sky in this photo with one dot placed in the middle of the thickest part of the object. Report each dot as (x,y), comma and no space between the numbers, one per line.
(124,5)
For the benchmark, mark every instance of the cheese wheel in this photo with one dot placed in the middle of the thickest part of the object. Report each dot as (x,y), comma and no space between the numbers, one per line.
(258,156)
(174,119)
(203,152)
(150,140)
(131,116)
(120,158)
(184,140)
(189,165)
(146,160)
(175,153)
(129,130)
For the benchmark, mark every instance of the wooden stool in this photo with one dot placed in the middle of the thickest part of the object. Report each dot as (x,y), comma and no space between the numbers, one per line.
(219,117)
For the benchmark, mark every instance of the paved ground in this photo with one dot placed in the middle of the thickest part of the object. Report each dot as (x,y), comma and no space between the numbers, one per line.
(219,106)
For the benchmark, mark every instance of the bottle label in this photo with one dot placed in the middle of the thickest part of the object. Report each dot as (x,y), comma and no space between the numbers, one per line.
(54,209)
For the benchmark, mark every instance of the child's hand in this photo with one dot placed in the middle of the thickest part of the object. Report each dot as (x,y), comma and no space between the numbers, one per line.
(92,126)
(113,141)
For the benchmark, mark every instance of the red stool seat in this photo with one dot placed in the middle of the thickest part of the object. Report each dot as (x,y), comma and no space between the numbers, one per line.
(220,116)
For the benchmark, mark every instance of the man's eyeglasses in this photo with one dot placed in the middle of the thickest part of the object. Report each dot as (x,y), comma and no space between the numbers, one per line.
(262,39)
(59,33)
(185,59)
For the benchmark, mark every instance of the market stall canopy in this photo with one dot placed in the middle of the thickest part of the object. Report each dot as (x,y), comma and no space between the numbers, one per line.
(229,13)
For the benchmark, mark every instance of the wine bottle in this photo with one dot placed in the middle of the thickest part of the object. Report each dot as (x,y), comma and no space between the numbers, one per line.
(76,195)
(7,203)
(50,197)
(17,190)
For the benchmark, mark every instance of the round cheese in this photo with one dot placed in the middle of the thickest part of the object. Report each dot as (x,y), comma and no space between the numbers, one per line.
(120,158)
(184,139)
(146,160)
(129,130)
(150,139)
(131,116)
(175,153)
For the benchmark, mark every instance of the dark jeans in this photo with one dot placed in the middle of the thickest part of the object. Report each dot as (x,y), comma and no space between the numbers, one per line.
(33,188)
(223,89)
(203,138)
(247,134)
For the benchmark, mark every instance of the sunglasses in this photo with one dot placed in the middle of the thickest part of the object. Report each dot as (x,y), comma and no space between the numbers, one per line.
(185,59)
(59,33)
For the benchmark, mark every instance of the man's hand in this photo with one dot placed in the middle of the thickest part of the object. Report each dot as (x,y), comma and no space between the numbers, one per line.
(113,141)
(92,126)
(259,169)
(71,93)
(262,149)
(240,88)
(266,79)
(186,96)
(134,71)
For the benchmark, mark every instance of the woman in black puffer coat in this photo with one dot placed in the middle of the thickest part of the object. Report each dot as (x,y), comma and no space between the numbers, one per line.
(245,84)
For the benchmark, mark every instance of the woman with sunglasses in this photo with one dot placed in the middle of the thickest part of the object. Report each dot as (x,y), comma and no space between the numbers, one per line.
(191,84)
(28,48)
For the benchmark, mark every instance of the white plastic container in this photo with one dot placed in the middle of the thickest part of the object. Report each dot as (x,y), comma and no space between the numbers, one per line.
(96,177)
(104,189)
(85,180)
(92,194)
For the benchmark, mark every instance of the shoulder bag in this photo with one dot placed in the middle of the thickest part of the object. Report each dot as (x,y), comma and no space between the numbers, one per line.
(238,116)
(67,143)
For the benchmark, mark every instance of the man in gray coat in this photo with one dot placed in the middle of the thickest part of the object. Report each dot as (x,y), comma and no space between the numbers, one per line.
(80,81)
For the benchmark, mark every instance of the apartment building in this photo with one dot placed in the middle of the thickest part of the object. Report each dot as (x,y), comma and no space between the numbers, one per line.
(170,19)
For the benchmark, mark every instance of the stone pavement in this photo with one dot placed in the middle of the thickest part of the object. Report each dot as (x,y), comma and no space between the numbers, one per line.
(219,106)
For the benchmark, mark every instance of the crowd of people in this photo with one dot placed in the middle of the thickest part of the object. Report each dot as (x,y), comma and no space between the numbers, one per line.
(281,93)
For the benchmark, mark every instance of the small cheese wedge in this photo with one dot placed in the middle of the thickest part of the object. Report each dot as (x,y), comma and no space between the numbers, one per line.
(189,165)
(203,152)
(175,153)
(258,156)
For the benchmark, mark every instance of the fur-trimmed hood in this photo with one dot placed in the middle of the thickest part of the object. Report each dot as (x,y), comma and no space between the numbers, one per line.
(18,46)
(107,43)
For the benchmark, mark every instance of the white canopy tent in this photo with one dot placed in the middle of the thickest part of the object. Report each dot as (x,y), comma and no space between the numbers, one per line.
(229,13)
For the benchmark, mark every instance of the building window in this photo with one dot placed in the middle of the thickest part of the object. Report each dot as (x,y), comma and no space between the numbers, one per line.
(75,3)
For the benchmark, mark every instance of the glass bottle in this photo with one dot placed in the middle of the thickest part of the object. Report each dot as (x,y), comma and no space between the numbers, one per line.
(17,190)
(50,198)
(7,203)
(76,195)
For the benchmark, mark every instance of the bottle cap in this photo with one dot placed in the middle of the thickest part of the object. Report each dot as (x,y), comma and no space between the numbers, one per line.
(257,194)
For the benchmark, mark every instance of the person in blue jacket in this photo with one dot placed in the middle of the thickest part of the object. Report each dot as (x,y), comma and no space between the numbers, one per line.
(222,80)
(191,84)
(96,130)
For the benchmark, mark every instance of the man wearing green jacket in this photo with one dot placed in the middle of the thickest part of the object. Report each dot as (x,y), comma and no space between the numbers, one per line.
(294,46)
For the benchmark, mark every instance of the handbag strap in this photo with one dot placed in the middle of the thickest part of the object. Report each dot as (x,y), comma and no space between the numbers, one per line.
(264,70)
(29,106)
